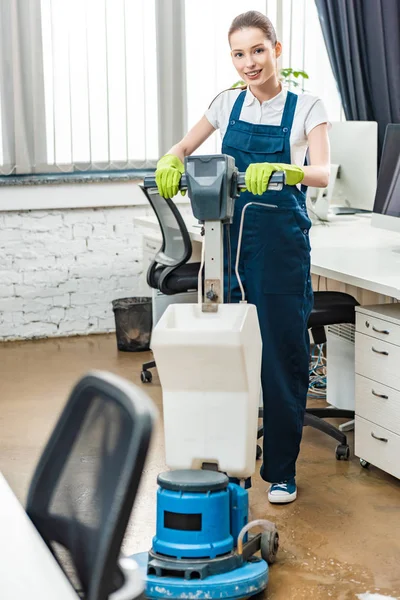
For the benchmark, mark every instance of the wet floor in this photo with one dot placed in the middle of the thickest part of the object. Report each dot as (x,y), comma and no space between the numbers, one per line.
(340,539)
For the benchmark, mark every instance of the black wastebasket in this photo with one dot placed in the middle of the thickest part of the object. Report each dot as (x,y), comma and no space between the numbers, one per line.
(133,323)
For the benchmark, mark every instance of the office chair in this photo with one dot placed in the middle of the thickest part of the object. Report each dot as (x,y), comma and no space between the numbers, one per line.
(82,492)
(170,272)
(329,308)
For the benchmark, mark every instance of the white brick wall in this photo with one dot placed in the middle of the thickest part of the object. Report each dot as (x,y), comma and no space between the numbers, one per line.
(60,269)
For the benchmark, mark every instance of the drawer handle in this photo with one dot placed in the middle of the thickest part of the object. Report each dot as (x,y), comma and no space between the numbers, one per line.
(378,438)
(380,395)
(384,331)
(383,352)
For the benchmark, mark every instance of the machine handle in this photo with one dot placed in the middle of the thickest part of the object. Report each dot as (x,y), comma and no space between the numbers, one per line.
(149,182)
(277,180)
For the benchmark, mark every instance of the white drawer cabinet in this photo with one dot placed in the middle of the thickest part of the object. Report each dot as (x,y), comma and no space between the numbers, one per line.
(378,403)
(377,360)
(377,446)
(379,327)
(377,365)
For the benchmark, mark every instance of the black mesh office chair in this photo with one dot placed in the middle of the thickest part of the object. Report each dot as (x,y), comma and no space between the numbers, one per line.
(330,308)
(84,486)
(170,272)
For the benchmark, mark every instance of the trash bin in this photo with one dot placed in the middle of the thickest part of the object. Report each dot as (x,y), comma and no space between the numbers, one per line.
(133,323)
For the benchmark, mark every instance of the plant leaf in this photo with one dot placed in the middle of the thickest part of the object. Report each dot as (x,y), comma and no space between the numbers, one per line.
(238,84)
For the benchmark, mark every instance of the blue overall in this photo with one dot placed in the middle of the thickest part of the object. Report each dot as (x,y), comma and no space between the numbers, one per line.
(275,271)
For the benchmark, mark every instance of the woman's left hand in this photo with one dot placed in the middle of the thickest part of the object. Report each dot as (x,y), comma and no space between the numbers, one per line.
(258,175)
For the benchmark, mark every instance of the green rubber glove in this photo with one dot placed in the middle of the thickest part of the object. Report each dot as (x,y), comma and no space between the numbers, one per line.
(168,175)
(258,174)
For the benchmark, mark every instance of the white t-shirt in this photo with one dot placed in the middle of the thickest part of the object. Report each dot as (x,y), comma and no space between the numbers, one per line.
(310,112)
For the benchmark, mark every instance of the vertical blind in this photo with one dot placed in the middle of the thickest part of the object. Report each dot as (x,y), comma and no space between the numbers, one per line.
(93,85)
(100,79)
(99,84)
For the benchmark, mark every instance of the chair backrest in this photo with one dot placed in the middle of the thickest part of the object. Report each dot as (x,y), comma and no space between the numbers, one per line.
(84,486)
(176,248)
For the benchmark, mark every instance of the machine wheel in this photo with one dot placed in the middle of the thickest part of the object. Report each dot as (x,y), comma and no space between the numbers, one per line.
(364,463)
(146,377)
(342,452)
(269,545)
(259,452)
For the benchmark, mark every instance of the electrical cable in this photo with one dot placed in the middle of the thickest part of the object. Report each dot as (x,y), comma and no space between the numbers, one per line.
(200,276)
(317,373)
(229,260)
(240,240)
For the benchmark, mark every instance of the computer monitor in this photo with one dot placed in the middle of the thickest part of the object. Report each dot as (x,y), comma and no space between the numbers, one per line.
(387,200)
(319,199)
(354,147)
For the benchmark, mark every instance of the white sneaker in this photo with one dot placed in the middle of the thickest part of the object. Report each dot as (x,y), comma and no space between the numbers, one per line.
(284,492)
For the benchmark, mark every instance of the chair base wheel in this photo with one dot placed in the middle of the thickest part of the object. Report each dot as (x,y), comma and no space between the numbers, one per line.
(146,377)
(342,452)
(259,452)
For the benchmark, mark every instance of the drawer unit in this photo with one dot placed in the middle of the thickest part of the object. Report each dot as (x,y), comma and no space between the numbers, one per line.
(377,360)
(377,366)
(378,403)
(378,446)
(377,327)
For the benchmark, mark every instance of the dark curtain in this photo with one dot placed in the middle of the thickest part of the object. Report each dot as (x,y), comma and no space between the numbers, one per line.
(363,42)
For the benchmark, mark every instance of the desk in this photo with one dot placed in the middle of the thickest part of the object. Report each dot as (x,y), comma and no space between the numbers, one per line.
(347,250)
(364,261)
(27,567)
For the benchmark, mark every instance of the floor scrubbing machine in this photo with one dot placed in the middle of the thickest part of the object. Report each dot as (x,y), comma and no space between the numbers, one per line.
(208,357)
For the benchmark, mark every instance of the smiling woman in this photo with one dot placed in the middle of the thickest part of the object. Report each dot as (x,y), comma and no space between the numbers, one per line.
(265,129)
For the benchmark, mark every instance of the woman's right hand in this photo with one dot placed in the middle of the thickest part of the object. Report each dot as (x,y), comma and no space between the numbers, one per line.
(168,175)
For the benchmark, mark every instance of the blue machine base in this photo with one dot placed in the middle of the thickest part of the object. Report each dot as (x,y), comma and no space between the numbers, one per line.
(247,581)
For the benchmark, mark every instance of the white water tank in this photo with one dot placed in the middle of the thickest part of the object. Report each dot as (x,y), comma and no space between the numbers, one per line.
(209,366)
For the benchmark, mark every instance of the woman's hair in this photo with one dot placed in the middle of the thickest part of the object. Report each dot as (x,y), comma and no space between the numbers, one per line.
(253,18)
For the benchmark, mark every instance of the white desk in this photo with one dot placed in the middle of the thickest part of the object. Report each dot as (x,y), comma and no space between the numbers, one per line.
(347,249)
(27,568)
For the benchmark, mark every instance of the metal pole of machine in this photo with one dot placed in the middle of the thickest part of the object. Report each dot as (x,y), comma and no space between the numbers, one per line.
(213,266)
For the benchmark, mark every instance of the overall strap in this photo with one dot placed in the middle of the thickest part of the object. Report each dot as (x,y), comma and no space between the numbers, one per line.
(237,107)
(289,110)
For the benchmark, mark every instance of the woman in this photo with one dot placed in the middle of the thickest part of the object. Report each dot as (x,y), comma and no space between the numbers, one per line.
(266,129)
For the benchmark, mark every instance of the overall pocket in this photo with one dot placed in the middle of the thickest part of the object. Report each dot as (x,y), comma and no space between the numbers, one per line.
(281,262)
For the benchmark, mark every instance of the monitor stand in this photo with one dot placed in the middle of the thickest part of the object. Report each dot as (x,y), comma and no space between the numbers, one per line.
(348,210)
